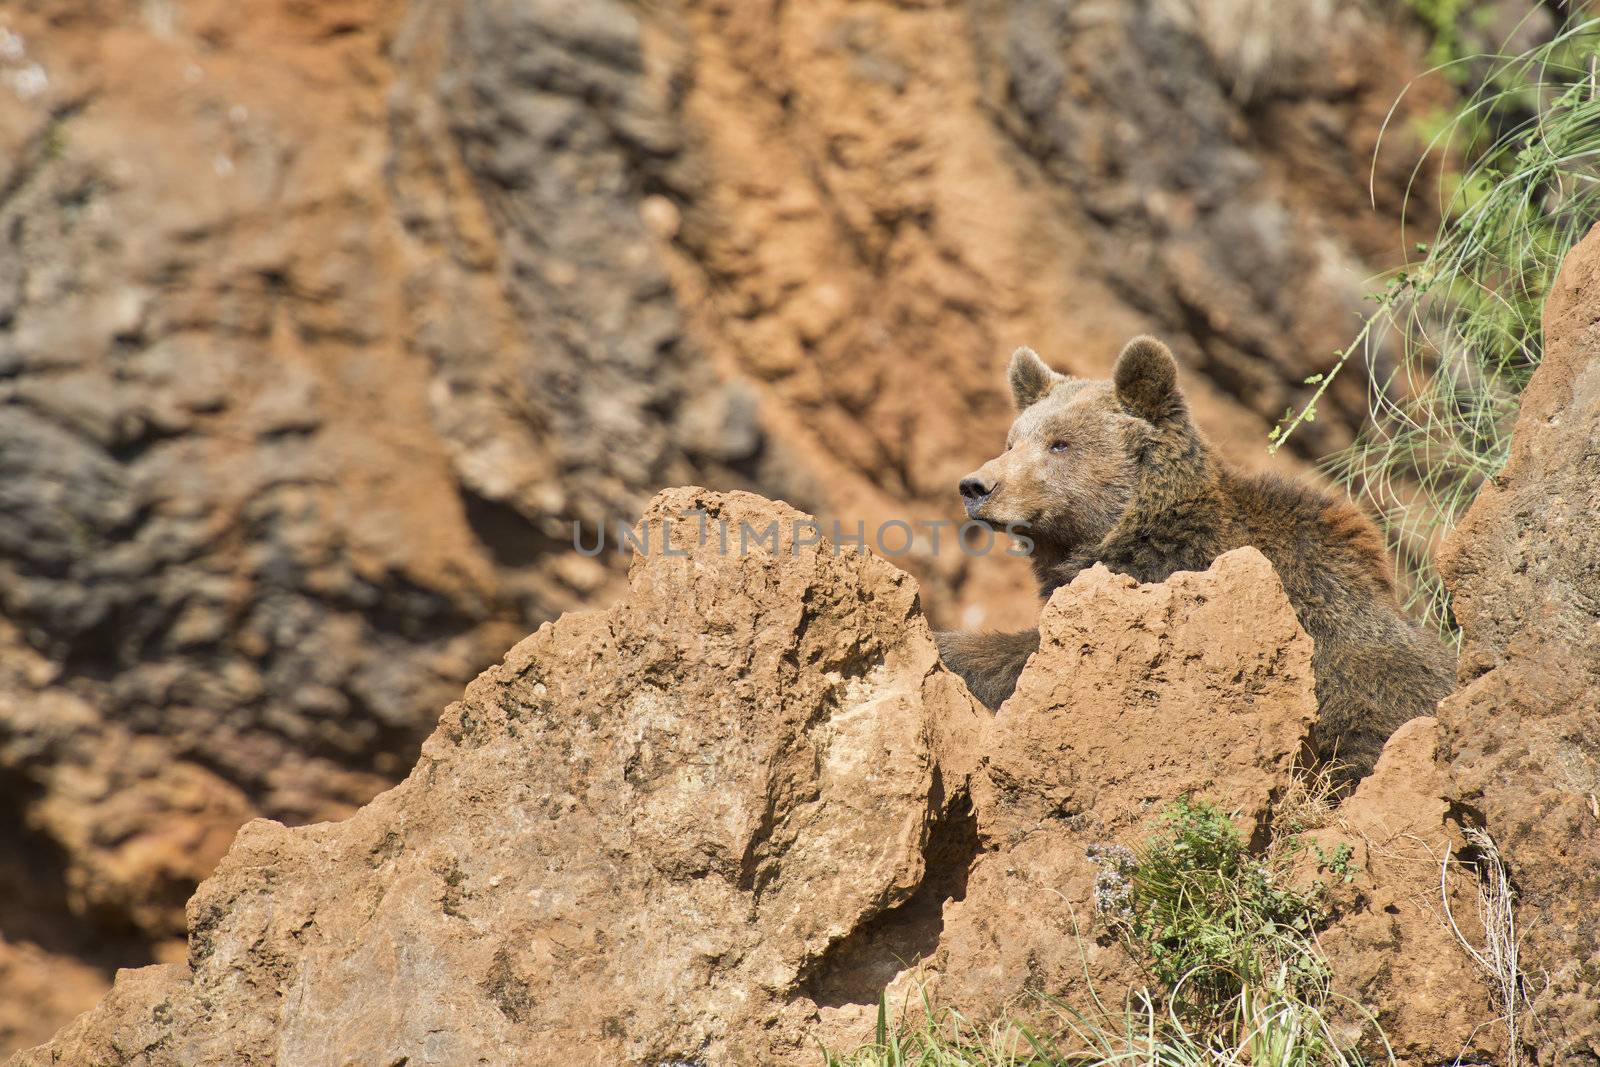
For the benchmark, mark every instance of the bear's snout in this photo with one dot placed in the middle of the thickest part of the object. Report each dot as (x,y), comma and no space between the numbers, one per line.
(974,492)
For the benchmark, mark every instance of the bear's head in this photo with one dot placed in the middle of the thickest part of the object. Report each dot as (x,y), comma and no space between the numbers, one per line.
(1071,464)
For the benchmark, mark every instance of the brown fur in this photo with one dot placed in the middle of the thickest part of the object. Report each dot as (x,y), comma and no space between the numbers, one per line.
(990,662)
(1117,473)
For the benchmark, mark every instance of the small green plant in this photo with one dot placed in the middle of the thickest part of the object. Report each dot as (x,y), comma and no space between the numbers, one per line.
(1210,918)
(1337,862)
(1456,335)
(943,1038)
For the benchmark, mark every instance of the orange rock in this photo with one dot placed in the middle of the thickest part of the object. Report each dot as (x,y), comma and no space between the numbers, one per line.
(1524,570)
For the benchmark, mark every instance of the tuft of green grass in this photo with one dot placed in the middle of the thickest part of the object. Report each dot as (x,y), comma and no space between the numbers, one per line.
(1228,942)
(1456,334)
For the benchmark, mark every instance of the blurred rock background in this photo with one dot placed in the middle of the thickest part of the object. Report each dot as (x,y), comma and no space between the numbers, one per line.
(322,321)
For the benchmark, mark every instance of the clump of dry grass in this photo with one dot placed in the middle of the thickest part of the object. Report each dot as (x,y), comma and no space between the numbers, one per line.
(1498,957)
(1312,800)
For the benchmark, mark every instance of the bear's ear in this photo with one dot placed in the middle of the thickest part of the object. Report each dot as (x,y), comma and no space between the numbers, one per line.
(1030,378)
(1146,379)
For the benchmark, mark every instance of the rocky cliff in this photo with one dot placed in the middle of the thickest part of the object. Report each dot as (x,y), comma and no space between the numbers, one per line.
(715,822)
(320,324)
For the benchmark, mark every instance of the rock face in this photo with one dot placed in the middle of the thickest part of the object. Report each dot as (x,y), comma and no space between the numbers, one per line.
(1391,949)
(635,840)
(712,823)
(320,324)
(1139,695)
(1524,568)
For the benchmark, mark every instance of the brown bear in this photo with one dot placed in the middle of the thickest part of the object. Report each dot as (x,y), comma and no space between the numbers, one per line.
(1117,473)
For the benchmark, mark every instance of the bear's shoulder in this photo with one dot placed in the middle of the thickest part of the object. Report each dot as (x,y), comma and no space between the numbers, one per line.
(1301,525)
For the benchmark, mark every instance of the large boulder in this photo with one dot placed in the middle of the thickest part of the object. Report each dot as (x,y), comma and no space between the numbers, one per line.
(1524,568)
(641,838)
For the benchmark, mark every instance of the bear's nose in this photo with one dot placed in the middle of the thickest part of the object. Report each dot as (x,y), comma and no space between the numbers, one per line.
(974,490)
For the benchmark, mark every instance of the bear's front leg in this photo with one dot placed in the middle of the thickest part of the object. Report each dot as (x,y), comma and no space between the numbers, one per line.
(989,663)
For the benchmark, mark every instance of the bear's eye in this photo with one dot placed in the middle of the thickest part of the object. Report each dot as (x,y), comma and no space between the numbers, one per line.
(1058,446)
